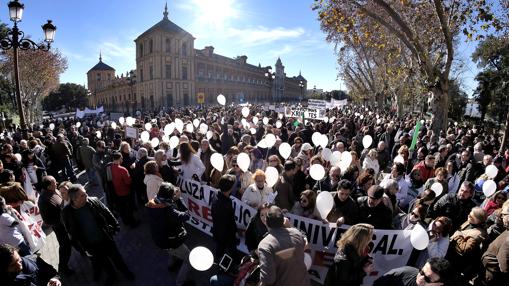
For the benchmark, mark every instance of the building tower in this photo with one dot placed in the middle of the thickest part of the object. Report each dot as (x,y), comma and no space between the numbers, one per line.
(101,75)
(279,82)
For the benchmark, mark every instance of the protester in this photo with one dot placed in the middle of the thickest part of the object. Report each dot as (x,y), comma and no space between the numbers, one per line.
(122,185)
(436,271)
(257,193)
(10,232)
(257,228)
(285,198)
(153,179)
(282,253)
(456,206)
(91,227)
(306,206)
(373,211)
(167,216)
(345,209)
(352,261)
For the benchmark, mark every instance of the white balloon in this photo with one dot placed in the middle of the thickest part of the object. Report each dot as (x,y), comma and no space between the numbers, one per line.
(326,119)
(367,141)
(148,126)
(130,121)
(326,154)
(399,159)
(154,142)
(98,134)
(203,128)
(174,142)
(245,111)
(437,188)
(114,125)
(491,171)
(18,157)
(189,128)
(121,120)
(335,158)
(145,136)
(265,121)
(285,150)
(78,124)
(253,131)
(378,121)
(153,120)
(196,122)
(346,159)
(201,258)
(99,124)
(221,99)
(209,134)
(52,126)
(324,203)
(271,176)
(332,119)
(324,140)
(217,161)
(179,124)
(419,237)
(243,161)
(168,129)
(166,139)
(362,116)
(317,172)
(307,260)
(280,116)
(270,139)
(279,124)
(255,119)
(243,121)
(489,188)
(316,138)
(262,144)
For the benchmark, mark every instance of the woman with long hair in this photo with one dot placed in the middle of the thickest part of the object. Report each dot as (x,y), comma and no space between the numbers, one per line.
(494,202)
(306,206)
(153,179)
(352,261)
(192,167)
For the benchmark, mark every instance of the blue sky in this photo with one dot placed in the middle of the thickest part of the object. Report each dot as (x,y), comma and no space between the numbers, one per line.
(262,30)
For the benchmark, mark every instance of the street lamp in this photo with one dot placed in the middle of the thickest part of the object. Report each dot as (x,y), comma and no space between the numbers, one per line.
(131,82)
(16,40)
(270,76)
(301,85)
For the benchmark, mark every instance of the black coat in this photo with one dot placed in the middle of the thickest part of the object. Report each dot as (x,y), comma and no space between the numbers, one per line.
(105,220)
(454,208)
(347,269)
(379,216)
(255,232)
(167,223)
(224,228)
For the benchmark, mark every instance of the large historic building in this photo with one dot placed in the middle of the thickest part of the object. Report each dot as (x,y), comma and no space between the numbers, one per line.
(171,72)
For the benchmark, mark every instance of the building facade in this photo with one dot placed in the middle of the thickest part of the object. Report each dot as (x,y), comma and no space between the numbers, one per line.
(171,72)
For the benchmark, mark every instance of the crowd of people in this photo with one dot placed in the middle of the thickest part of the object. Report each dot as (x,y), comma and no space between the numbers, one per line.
(389,184)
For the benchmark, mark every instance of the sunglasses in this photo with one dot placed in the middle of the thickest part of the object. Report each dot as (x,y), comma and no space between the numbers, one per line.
(427,279)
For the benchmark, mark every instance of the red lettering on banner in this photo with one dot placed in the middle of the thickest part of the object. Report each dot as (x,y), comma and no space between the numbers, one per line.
(207,214)
(193,207)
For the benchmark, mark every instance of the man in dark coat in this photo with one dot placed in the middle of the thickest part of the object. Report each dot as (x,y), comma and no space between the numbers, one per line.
(138,175)
(224,227)
(373,211)
(284,186)
(345,210)
(91,227)
(456,206)
(437,271)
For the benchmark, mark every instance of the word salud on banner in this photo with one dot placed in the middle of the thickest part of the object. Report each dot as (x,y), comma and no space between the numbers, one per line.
(390,248)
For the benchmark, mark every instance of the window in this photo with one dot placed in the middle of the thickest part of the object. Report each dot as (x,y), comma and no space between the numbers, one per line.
(184,49)
(152,101)
(168,46)
(98,76)
(184,73)
(141,74)
(109,76)
(169,100)
(150,46)
(186,99)
(142,102)
(168,72)
(151,72)
(141,50)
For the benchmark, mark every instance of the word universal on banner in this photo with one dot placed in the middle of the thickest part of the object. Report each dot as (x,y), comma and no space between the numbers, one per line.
(389,248)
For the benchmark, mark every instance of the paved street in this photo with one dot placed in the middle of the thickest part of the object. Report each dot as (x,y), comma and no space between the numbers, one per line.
(148,262)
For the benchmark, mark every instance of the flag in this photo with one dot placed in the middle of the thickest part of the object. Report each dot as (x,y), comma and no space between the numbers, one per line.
(416,133)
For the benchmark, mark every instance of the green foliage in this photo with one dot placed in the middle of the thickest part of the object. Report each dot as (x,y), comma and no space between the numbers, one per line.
(457,100)
(492,55)
(70,95)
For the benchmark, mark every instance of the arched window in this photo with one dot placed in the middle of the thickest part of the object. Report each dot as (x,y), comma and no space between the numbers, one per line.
(168,45)
(184,49)
(141,50)
(150,46)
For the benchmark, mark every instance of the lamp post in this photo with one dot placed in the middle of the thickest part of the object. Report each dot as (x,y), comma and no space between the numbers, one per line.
(132,81)
(301,85)
(270,76)
(16,40)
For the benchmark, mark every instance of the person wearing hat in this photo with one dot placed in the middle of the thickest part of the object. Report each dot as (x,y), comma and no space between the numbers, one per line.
(224,227)
(373,211)
(306,152)
(167,216)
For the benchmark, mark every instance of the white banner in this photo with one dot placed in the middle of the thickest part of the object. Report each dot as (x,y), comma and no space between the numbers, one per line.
(390,248)
(309,113)
(317,103)
(338,103)
(131,132)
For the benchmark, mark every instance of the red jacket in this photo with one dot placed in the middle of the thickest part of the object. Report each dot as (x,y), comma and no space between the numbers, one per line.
(426,172)
(121,180)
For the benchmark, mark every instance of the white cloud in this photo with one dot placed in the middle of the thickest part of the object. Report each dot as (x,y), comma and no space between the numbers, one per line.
(263,35)
(112,50)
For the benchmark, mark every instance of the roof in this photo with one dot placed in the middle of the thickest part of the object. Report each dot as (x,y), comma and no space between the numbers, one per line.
(100,66)
(300,77)
(165,25)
